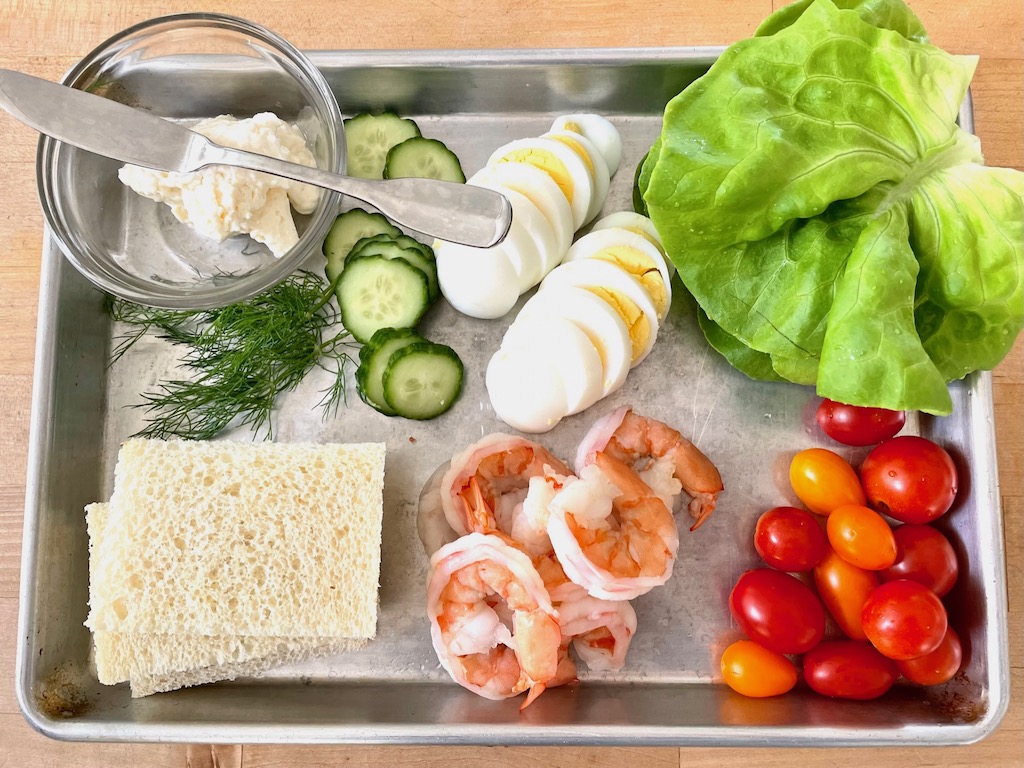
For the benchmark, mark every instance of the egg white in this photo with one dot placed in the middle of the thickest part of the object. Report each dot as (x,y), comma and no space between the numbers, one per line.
(599,131)
(564,347)
(479,282)
(602,325)
(590,273)
(546,150)
(525,391)
(544,193)
(597,240)
(598,168)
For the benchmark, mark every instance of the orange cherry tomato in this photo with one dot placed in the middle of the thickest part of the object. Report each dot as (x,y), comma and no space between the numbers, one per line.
(753,670)
(844,589)
(861,537)
(824,480)
(936,667)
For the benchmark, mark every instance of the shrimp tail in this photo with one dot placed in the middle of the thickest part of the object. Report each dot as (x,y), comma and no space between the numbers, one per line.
(479,515)
(699,478)
(535,690)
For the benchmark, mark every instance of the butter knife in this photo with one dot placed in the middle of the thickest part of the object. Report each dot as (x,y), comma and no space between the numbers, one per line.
(460,213)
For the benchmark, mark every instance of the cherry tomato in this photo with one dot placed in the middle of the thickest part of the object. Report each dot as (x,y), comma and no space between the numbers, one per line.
(790,539)
(823,480)
(904,619)
(856,425)
(909,478)
(861,537)
(778,611)
(849,670)
(923,555)
(753,670)
(936,667)
(844,588)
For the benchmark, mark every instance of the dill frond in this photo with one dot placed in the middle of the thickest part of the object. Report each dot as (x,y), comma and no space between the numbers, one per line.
(242,357)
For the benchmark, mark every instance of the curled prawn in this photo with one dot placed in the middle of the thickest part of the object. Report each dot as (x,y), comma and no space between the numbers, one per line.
(666,460)
(487,483)
(492,623)
(611,533)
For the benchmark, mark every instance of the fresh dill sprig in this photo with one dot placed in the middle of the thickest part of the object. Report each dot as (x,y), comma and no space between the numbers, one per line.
(243,356)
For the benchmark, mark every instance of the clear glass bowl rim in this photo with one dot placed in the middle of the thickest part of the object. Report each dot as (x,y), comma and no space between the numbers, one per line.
(140,291)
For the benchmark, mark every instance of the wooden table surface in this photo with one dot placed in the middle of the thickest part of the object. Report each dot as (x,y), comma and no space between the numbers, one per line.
(45,37)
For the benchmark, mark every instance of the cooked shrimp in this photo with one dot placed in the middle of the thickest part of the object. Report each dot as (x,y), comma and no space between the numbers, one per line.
(486,484)
(666,460)
(611,533)
(475,582)
(431,523)
(600,630)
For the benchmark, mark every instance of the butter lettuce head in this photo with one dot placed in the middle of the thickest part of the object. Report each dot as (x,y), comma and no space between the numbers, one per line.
(832,221)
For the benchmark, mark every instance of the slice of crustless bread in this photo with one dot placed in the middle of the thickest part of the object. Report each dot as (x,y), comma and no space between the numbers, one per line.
(163,662)
(261,539)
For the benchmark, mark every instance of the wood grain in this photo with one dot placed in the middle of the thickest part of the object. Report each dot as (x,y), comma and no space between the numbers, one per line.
(46,37)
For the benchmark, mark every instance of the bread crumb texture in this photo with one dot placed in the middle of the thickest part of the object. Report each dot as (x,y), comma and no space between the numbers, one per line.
(260,546)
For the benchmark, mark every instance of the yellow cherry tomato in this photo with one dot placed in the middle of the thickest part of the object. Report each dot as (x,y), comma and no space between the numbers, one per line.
(861,537)
(824,480)
(752,670)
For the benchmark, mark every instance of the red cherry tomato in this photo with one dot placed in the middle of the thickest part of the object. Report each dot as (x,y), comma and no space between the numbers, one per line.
(923,555)
(844,588)
(824,480)
(856,425)
(778,611)
(849,670)
(753,670)
(936,667)
(790,539)
(861,537)
(904,620)
(910,479)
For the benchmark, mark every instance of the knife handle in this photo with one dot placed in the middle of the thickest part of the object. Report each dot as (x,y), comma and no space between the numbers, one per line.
(459,213)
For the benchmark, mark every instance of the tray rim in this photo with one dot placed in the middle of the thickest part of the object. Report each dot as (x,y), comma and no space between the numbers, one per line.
(51,275)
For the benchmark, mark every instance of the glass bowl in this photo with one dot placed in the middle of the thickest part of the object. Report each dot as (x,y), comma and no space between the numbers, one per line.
(185,68)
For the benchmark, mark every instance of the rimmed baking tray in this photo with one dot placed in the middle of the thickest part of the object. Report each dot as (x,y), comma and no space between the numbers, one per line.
(394,690)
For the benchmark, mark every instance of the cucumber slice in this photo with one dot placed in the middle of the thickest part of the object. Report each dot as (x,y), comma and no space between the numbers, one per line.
(368,139)
(422,158)
(373,359)
(422,380)
(391,249)
(349,228)
(375,292)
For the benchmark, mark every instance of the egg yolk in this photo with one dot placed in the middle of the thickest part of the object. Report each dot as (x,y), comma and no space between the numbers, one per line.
(642,267)
(636,321)
(576,147)
(546,162)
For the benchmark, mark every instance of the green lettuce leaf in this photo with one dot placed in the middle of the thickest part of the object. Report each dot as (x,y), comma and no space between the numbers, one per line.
(967,229)
(884,14)
(872,325)
(798,162)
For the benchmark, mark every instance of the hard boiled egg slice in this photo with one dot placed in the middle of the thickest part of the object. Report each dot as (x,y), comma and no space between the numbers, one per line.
(635,222)
(565,348)
(529,257)
(542,191)
(620,290)
(595,163)
(525,392)
(561,163)
(599,131)
(479,282)
(595,317)
(633,253)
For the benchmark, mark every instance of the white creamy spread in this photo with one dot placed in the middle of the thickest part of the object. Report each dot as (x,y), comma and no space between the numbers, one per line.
(221,201)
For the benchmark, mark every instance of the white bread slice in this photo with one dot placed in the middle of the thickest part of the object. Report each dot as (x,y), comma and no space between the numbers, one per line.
(262,539)
(163,662)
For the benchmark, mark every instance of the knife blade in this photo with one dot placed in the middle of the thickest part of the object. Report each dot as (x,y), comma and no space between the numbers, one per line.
(100,125)
(460,213)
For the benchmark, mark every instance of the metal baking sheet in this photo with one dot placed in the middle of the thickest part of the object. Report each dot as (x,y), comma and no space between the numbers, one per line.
(394,691)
